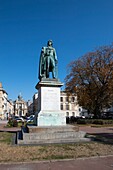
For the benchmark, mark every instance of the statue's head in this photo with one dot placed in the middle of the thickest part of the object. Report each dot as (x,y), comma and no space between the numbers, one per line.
(50,43)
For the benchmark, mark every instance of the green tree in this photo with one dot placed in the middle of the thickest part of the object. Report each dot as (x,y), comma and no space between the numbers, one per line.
(91,79)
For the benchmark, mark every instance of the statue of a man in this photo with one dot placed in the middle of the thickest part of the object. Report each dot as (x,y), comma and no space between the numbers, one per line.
(48,61)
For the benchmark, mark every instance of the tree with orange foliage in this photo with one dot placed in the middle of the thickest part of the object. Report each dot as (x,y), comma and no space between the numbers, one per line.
(91,79)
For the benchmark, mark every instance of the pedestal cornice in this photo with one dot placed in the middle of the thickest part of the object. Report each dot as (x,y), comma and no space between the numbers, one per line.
(49,83)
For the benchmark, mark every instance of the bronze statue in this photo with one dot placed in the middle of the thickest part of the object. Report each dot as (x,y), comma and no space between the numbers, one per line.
(48,61)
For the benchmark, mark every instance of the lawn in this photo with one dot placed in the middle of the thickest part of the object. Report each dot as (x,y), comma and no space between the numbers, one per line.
(12,153)
(6,137)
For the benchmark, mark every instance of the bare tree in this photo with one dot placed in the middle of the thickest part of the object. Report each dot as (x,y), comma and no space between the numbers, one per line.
(91,78)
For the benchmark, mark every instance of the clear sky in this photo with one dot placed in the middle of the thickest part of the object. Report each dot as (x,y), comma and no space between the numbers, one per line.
(75,26)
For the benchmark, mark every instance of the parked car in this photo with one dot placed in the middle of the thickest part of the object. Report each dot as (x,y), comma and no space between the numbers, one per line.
(30,119)
(83,117)
(19,119)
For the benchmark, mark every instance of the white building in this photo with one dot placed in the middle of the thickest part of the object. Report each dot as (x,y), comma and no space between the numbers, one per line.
(20,107)
(70,105)
(6,106)
(30,107)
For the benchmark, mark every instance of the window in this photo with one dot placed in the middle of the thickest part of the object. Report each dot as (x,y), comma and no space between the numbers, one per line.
(73,114)
(20,113)
(20,107)
(67,107)
(61,106)
(67,99)
(73,99)
(67,114)
(83,114)
(79,109)
(61,99)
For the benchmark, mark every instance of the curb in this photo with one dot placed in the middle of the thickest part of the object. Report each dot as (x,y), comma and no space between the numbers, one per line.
(57,160)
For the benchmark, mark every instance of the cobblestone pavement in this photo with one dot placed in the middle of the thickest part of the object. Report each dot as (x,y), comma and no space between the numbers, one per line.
(96,163)
(104,133)
(96,130)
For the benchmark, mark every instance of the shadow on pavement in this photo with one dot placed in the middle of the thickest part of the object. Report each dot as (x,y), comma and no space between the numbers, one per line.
(106,138)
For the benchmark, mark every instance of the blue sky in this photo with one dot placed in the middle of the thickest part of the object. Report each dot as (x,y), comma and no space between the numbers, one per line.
(75,26)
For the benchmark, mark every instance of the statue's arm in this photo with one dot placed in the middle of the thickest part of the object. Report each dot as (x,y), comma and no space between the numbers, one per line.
(42,52)
(56,64)
(55,56)
(41,63)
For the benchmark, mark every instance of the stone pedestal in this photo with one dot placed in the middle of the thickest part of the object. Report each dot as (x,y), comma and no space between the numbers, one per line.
(49,113)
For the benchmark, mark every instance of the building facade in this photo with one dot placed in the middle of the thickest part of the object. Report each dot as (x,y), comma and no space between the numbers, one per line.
(30,107)
(70,105)
(35,102)
(20,107)
(6,106)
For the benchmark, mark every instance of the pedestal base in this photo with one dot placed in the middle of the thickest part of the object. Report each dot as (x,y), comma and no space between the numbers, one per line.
(51,118)
(52,134)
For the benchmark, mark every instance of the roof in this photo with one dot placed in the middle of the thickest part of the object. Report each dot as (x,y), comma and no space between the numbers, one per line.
(1,89)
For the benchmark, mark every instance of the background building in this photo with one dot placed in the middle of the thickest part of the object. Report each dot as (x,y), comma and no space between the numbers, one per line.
(35,102)
(20,107)
(70,105)
(30,107)
(6,106)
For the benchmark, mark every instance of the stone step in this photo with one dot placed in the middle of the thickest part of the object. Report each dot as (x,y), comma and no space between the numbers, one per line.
(56,135)
(52,141)
(53,129)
